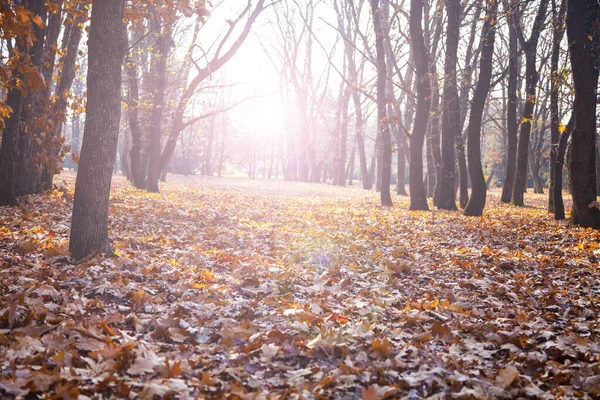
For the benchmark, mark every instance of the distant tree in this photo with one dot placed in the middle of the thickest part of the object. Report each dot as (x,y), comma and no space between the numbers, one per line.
(530,47)
(418,198)
(478,187)
(89,226)
(382,121)
(512,125)
(558,30)
(450,111)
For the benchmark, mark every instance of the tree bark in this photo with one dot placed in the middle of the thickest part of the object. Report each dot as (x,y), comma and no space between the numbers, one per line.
(450,111)
(478,187)
(418,199)
(511,113)
(132,97)
(583,19)
(383,126)
(11,151)
(89,227)
(67,76)
(531,79)
(559,206)
(555,82)
(163,47)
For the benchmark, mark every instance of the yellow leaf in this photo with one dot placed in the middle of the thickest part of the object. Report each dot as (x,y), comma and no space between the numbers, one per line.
(561,128)
(207,380)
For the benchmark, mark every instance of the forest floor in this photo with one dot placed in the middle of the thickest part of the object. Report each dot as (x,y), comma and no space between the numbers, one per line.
(261,289)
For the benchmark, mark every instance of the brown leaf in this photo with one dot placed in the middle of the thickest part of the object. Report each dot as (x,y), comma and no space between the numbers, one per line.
(506,376)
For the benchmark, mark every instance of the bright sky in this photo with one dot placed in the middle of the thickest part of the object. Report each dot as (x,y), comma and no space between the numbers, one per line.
(252,67)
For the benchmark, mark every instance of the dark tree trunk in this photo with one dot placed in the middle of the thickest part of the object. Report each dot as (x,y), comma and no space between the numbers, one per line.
(34,105)
(451,111)
(9,149)
(555,82)
(29,179)
(531,79)
(89,227)
(511,115)
(465,87)
(383,126)
(65,82)
(478,188)
(418,199)
(463,174)
(583,20)
(401,172)
(556,191)
(538,186)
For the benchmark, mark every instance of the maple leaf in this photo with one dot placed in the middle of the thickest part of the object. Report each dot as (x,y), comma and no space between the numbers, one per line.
(144,363)
(376,392)
(506,376)
(382,348)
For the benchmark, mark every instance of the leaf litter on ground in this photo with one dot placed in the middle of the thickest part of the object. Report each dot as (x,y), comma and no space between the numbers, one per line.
(255,289)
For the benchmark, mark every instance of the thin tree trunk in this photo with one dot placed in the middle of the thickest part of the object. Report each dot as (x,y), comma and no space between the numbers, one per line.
(511,116)
(555,81)
(478,188)
(68,61)
(559,206)
(530,47)
(418,199)
(451,111)
(383,126)
(163,46)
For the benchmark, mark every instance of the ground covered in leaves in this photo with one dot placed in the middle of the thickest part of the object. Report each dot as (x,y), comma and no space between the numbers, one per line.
(253,289)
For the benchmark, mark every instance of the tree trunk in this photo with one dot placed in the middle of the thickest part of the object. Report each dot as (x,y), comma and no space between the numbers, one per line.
(463,174)
(418,199)
(9,149)
(450,112)
(138,172)
(583,19)
(67,76)
(34,105)
(555,81)
(89,227)
(433,141)
(383,126)
(538,186)
(350,169)
(163,46)
(478,188)
(343,142)
(559,207)
(511,115)
(360,143)
(531,79)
